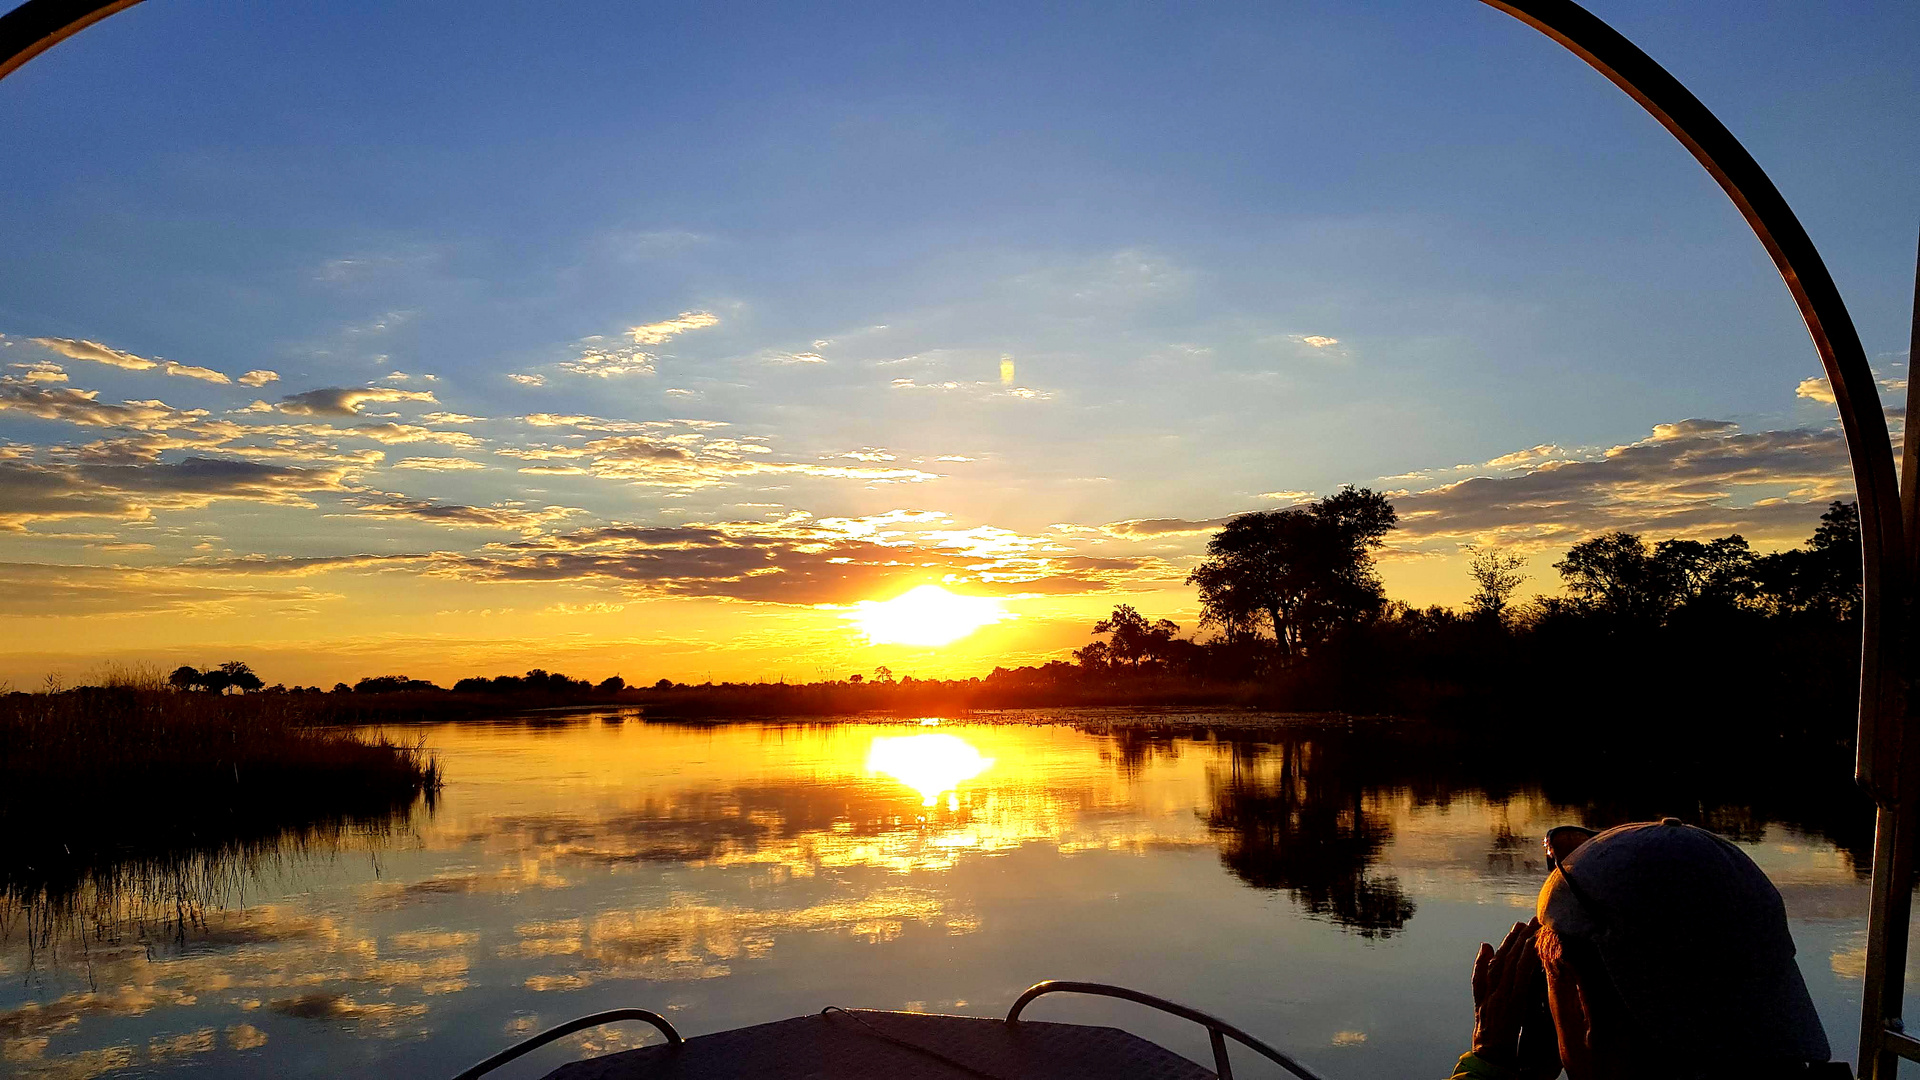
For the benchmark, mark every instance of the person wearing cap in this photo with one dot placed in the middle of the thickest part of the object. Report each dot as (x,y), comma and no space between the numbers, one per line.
(1658,951)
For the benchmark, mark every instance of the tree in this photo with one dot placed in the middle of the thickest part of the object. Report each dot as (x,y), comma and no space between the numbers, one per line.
(1134,638)
(238,676)
(883,674)
(1497,574)
(612,684)
(185,677)
(1822,577)
(1306,570)
(856,679)
(1615,574)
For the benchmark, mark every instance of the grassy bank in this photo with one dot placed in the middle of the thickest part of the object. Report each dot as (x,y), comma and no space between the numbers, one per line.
(96,777)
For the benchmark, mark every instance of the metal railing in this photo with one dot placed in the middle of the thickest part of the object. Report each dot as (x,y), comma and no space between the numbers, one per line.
(562,1031)
(1218,1030)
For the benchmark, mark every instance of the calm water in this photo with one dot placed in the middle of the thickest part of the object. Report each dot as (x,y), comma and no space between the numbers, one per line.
(730,875)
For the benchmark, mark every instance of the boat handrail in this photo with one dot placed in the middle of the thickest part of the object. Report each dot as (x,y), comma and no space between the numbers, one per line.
(611,1016)
(1218,1030)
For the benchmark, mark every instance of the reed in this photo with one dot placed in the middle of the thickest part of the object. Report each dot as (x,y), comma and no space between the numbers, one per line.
(128,770)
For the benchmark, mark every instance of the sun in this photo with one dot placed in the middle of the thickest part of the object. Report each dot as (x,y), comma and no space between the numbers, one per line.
(927,615)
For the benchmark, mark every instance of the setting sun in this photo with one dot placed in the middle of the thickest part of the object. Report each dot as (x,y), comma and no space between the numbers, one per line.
(927,615)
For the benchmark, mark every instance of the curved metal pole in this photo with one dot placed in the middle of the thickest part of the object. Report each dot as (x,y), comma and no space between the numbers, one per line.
(39,25)
(1886,562)
(1215,1026)
(591,1020)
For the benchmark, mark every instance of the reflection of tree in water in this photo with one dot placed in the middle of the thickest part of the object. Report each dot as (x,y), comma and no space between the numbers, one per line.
(1299,824)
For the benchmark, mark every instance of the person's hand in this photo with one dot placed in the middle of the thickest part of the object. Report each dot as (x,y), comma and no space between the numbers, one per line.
(1505,983)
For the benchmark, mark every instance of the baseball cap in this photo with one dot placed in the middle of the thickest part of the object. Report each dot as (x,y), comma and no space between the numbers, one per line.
(1695,940)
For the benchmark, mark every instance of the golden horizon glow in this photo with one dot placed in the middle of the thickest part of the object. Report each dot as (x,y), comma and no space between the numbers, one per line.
(925,615)
(932,764)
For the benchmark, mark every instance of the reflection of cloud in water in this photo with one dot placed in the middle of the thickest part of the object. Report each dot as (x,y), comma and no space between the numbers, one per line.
(693,940)
(336,1006)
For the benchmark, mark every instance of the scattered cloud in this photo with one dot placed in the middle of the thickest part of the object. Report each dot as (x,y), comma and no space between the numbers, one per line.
(1690,478)
(45,371)
(93,351)
(438,464)
(528,380)
(343,401)
(505,516)
(1152,528)
(606,361)
(660,332)
(79,349)
(1287,496)
(258,377)
(796,358)
(1316,341)
(1532,455)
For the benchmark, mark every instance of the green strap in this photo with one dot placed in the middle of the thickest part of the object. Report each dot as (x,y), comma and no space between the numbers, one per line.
(1475,1067)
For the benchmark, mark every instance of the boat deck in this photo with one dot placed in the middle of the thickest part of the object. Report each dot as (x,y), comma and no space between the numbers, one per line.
(863,1044)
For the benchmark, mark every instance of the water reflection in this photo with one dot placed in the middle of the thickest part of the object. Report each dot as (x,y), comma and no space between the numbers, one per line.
(732,874)
(1286,820)
(929,764)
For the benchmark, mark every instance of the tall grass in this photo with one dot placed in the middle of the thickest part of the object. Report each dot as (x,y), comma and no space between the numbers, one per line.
(100,777)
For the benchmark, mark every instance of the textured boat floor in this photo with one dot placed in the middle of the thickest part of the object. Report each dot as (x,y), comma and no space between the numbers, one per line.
(854,1045)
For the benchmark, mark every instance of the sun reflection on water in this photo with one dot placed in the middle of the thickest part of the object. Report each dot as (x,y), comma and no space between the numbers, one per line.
(929,764)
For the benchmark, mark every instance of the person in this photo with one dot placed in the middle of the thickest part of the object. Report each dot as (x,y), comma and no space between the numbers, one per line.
(1658,951)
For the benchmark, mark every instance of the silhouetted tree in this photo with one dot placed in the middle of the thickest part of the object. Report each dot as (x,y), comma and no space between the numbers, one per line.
(1134,638)
(612,684)
(185,677)
(1821,578)
(1497,575)
(238,676)
(1306,570)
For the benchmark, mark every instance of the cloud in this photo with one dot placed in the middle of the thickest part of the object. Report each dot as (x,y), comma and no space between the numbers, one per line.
(76,406)
(800,560)
(1287,496)
(1316,341)
(528,380)
(93,351)
(342,401)
(954,457)
(461,516)
(1690,478)
(868,453)
(45,371)
(191,372)
(1533,455)
(409,433)
(663,331)
(40,589)
(438,464)
(796,358)
(131,490)
(606,362)
(1149,528)
(77,349)
(978,389)
(258,377)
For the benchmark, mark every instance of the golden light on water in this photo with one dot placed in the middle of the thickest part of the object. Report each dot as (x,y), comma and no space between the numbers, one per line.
(927,615)
(929,764)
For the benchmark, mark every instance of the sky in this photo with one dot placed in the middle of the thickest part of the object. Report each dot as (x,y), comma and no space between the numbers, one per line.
(442,339)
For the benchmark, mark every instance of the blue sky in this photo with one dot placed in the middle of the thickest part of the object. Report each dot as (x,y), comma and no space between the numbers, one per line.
(1139,265)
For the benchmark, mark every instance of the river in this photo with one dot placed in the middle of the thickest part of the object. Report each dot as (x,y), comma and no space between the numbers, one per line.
(1295,883)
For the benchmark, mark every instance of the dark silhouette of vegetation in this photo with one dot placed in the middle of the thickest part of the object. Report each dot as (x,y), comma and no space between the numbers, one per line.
(136,769)
(232,675)
(1305,571)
